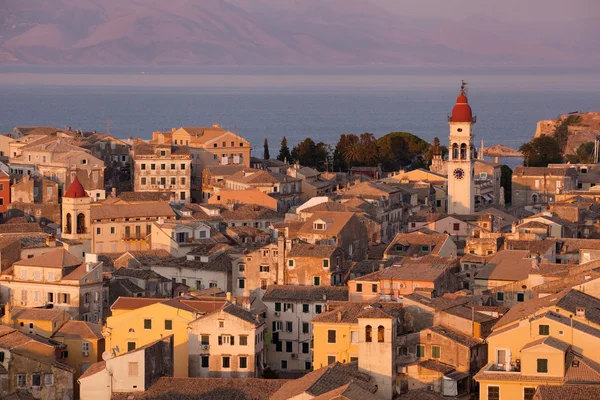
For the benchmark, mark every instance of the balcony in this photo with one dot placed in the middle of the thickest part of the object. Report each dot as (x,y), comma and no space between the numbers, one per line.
(133,236)
(204,348)
(514,367)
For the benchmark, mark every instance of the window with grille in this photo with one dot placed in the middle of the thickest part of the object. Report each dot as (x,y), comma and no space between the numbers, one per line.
(420,350)
(243,340)
(528,393)
(331,336)
(493,393)
(147,324)
(436,352)
(542,365)
(244,362)
(132,368)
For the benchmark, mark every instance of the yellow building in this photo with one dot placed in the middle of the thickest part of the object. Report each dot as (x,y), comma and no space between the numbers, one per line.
(136,322)
(42,322)
(545,341)
(85,344)
(336,332)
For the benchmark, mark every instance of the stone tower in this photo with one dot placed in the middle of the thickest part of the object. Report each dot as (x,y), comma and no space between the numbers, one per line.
(76,219)
(461,190)
(437,163)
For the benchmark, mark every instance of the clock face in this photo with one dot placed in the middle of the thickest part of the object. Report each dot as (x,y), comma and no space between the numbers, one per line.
(459,173)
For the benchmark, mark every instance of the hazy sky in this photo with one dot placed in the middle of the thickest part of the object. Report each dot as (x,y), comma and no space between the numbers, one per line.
(505,10)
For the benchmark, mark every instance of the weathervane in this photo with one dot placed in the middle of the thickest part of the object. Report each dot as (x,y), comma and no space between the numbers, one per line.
(463,87)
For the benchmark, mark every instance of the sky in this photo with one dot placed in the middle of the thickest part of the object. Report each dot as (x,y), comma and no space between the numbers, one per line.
(503,10)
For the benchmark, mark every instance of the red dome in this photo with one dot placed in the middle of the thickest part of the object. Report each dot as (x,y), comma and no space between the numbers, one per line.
(462,110)
(75,190)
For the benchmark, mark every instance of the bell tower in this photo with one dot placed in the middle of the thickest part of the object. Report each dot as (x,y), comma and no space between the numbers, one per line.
(461,190)
(76,220)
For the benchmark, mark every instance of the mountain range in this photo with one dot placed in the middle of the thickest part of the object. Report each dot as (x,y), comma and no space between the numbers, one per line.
(282,32)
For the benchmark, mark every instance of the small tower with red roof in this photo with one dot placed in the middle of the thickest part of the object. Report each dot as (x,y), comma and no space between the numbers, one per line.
(76,219)
(461,157)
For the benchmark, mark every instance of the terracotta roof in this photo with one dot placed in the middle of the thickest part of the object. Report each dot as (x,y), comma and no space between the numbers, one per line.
(80,329)
(507,265)
(336,221)
(306,293)
(94,369)
(31,227)
(422,394)
(458,337)
(412,243)
(462,110)
(38,314)
(349,312)
(75,190)
(133,303)
(221,263)
(143,274)
(59,258)
(548,341)
(324,380)
(437,366)
(242,314)
(247,212)
(541,171)
(207,389)
(312,250)
(350,391)
(568,392)
(118,211)
(134,197)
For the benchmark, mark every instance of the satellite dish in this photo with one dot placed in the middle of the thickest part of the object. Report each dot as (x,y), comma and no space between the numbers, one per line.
(117,348)
(105,355)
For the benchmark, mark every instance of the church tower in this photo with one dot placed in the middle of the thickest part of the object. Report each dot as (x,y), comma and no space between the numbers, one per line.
(437,163)
(76,219)
(461,190)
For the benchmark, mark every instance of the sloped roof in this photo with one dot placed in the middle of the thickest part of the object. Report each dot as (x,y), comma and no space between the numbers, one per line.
(336,221)
(306,293)
(507,265)
(312,250)
(80,329)
(147,209)
(58,258)
(38,314)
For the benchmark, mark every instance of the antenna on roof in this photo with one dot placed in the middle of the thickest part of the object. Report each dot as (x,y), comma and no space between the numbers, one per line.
(463,87)
(108,121)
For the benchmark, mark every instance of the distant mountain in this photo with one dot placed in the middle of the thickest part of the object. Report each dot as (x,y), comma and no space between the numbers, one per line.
(285,32)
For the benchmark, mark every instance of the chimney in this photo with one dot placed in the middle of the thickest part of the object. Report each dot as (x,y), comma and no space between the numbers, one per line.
(228,297)
(339,316)
(88,266)
(535,263)
(173,130)
(91,258)
(50,241)
(113,193)
(161,220)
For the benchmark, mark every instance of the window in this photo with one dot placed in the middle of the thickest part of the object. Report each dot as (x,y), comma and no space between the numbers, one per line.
(368,334)
(283,364)
(528,393)
(544,330)
(226,339)
(325,263)
(359,287)
(204,360)
(132,368)
(1,356)
(143,167)
(305,348)
(288,347)
(289,326)
(243,340)
(290,263)
(112,230)
(244,362)
(277,306)
(500,296)
(85,347)
(241,267)
(456,227)
(264,268)
(305,308)
(163,167)
(241,283)
(420,350)
(279,346)
(205,339)
(153,166)
(305,327)
(374,288)
(182,167)
(36,380)
(130,346)
(226,362)
(21,380)
(288,307)
(316,281)
(48,379)
(147,324)
(168,325)
(542,365)
(380,334)
(354,337)
(520,297)
(331,336)
(318,308)
(330,360)
(264,284)
(493,393)
(436,352)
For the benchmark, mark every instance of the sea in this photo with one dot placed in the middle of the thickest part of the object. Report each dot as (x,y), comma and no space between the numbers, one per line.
(296,102)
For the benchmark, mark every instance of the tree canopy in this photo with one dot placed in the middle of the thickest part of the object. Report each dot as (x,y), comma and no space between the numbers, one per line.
(311,154)
(541,151)
(401,149)
(284,151)
(584,154)
(266,154)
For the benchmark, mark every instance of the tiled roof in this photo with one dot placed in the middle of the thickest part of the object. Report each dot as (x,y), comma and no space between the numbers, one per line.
(133,197)
(548,341)
(30,227)
(80,329)
(118,211)
(324,380)
(350,391)
(246,212)
(350,312)
(126,284)
(133,303)
(221,263)
(243,314)
(422,394)
(461,338)
(306,293)
(59,258)
(207,389)
(466,312)
(312,250)
(335,220)
(413,242)
(94,369)
(413,271)
(143,274)
(437,366)
(38,314)
(568,392)
(534,246)
(507,265)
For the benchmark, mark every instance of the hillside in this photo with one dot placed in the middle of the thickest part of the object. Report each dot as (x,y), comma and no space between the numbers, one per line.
(585,130)
(259,32)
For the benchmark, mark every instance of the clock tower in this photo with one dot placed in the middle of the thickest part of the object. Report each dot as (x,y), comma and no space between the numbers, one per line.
(461,190)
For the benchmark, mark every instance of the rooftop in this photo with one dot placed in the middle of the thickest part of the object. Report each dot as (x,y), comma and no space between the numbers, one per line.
(306,293)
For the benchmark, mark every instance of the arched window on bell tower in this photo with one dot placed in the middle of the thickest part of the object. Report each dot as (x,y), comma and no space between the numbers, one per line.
(80,223)
(463,151)
(455,151)
(69,224)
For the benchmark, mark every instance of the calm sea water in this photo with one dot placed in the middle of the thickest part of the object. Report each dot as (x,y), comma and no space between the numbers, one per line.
(269,103)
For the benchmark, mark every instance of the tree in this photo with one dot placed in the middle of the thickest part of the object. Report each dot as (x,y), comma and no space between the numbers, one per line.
(368,150)
(400,149)
(541,151)
(266,154)
(561,132)
(284,151)
(506,183)
(346,152)
(584,154)
(307,153)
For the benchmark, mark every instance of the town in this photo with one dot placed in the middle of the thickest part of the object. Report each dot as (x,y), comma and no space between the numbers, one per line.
(184,267)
